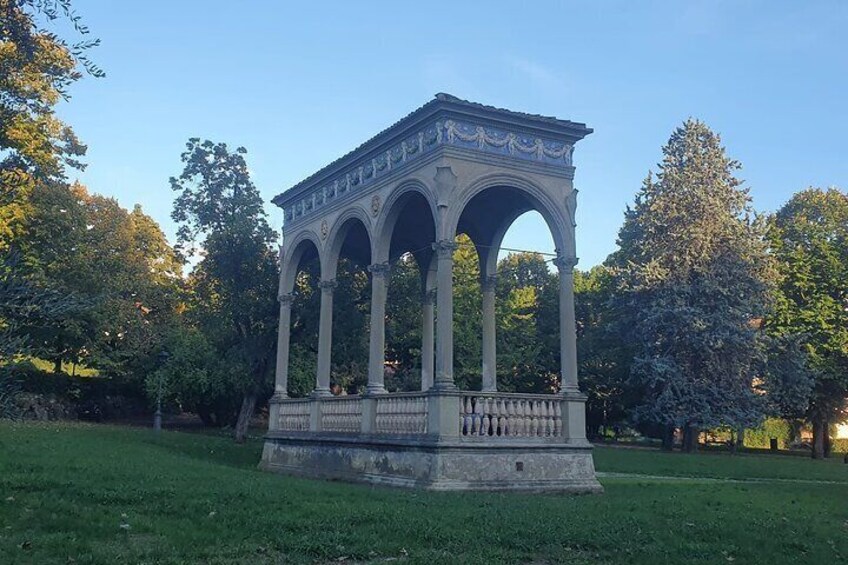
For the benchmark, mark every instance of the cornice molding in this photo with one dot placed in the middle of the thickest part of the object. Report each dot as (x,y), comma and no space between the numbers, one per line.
(474,136)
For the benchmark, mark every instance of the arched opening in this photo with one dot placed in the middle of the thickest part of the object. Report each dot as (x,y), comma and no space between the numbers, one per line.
(350,256)
(299,284)
(506,301)
(410,231)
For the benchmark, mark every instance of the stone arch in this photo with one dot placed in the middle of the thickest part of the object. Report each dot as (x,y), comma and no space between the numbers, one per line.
(393,209)
(517,196)
(305,245)
(352,223)
(484,211)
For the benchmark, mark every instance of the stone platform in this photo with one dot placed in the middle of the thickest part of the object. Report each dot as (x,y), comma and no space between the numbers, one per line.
(447,441)
(438,466)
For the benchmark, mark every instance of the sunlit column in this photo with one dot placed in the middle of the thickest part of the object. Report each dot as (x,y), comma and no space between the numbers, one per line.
(567,324)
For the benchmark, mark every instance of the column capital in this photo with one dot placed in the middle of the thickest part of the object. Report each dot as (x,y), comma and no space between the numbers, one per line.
(444,248)
(379,269)
(286,299)
(429,296)
(489,283)
(328,286)
(564,263)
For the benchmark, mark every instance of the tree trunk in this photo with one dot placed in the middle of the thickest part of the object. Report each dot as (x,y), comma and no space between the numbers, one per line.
(739,440)
(205,416)
(248,404)
(668,438)
(690,439)
(826,436)
(57,365)
(819,431)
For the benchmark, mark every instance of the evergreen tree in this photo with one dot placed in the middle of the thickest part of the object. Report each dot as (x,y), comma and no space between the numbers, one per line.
(694,276)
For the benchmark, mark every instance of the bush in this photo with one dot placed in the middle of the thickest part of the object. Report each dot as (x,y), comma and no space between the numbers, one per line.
(760,437)
(9,392)
(86,398)
(839,445)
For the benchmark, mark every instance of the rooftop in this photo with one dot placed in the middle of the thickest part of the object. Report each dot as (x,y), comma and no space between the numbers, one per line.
(446,104)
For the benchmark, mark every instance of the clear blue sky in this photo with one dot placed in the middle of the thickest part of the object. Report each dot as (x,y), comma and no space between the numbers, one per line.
(300,83)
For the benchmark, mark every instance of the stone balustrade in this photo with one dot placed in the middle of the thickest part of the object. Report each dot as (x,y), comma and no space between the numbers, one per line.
(510,415)
(401,413)
(294,415)
(341,414)
(482,415)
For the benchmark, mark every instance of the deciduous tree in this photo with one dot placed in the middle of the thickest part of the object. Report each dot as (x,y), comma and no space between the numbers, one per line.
(809,238)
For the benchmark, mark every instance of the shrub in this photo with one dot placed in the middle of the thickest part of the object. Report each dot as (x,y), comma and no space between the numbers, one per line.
(9,391)
(760,437)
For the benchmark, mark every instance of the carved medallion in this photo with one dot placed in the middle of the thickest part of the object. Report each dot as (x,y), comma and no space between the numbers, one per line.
(375,205)
(325,229)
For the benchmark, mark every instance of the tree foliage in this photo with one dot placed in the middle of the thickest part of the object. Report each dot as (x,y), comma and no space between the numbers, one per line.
(693,274)
(36,69)
(809,239)
(219,209)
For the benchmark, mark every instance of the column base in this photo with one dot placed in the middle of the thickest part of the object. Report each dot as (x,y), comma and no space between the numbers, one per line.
(320,392)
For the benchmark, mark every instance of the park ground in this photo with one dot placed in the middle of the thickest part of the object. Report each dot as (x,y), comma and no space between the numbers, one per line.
(75,493)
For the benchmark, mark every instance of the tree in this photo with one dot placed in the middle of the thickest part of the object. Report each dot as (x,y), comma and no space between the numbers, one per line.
(527,308)
(36,69)
(809,239)
(603,359)
(694,274)
(403,325)
(116,267)
(219,208)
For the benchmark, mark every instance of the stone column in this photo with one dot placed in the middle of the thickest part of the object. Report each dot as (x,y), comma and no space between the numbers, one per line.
(325,338)
(281,373)
(567,324)
(490,382)
(444,315)
(377,346)
(428,356)
(281,380)
(574,405)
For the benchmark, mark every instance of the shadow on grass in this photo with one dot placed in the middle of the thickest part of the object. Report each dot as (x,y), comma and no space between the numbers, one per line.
(210,446)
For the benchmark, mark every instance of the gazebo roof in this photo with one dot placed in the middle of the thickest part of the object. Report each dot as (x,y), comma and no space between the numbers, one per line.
(446,106)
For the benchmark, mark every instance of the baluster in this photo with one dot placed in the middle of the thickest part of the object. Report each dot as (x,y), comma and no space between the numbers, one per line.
(537,420)
(519,418)
(543,413)
(510,428)
(486,423)
(464,424)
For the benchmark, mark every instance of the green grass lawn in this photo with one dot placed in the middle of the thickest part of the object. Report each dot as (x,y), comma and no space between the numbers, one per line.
(72,493)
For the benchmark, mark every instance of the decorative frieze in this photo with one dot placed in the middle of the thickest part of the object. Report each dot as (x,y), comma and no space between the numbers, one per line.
(456,133)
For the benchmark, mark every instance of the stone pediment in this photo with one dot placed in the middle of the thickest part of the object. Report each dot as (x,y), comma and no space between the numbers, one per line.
(444,122)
